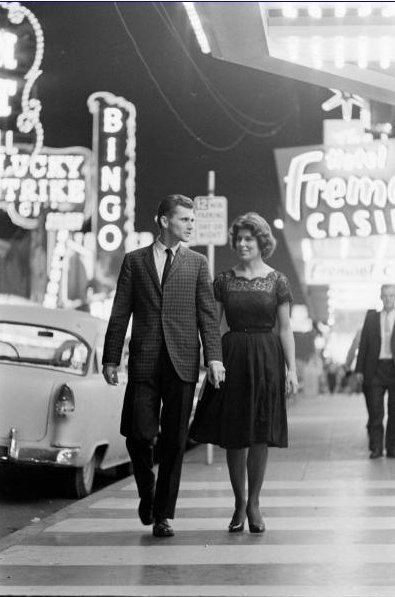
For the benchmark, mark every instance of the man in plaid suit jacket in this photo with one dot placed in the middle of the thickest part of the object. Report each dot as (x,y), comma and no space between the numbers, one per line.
(167,288)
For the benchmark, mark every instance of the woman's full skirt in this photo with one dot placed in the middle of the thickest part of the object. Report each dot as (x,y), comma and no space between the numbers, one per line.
(250,406)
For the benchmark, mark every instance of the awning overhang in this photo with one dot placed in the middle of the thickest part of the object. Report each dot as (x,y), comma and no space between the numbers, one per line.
(256,35)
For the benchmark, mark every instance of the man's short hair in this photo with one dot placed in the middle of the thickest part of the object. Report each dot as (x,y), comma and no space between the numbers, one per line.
(169,204)
(387,285)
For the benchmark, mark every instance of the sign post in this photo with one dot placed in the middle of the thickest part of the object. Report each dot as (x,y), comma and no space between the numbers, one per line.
(211,229)
(211,266)
(210,246)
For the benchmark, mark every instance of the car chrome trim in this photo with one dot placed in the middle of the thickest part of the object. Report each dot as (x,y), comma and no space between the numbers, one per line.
(39,456)
(13,444)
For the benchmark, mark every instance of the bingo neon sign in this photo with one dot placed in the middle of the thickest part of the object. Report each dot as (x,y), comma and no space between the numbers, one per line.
(114,134)
(338,192)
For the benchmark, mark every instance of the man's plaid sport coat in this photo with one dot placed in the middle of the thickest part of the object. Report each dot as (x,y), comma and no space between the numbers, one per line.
(185,307)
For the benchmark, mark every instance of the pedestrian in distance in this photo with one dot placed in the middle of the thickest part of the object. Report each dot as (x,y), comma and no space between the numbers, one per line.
(331,376)
(247,413)
(168,290)
(375,370)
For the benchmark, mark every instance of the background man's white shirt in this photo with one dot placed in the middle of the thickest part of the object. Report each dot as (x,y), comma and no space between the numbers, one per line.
(387,319)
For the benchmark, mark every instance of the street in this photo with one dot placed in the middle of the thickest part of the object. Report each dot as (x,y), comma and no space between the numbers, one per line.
(29,495)
(329,513)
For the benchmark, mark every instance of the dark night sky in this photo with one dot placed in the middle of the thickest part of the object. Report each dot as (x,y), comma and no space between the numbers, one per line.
(87,49)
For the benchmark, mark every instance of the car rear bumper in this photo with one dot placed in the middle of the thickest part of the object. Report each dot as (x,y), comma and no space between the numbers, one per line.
(39,456)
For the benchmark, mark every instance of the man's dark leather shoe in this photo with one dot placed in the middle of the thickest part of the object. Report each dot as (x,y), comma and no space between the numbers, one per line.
(390,454)
(162,528)
(376,453)
(145,508)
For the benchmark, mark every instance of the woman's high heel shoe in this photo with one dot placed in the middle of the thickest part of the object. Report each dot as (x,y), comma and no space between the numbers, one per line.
(234,526)
(256,528)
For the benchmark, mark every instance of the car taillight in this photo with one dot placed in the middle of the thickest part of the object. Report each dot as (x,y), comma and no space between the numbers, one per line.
(64,403)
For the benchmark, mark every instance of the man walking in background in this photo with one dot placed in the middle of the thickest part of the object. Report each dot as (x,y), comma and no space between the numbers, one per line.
(168,289)
(375,369)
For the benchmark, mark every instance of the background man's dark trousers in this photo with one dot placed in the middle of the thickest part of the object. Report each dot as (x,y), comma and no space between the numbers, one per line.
(382,381)
(140,424)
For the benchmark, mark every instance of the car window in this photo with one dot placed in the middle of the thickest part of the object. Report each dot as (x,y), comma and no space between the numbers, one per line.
(43,347)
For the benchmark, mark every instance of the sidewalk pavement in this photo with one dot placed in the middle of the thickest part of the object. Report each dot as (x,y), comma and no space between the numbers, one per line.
(329,512)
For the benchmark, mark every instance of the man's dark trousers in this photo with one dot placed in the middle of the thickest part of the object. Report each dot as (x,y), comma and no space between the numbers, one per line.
(383,380)
(143,406)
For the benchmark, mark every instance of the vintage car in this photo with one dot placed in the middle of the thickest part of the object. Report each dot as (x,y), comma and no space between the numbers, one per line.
(55,408)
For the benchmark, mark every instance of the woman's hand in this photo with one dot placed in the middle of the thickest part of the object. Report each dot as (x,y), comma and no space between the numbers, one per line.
(291,382)
(216,373)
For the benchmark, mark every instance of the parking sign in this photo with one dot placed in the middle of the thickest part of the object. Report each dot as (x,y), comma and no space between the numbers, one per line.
(211,221)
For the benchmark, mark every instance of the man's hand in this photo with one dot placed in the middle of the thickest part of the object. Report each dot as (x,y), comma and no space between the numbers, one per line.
(216,373)
(110,373)
(291,382)
(359,378)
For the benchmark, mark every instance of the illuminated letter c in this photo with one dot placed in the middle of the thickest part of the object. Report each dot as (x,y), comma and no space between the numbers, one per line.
(312,222)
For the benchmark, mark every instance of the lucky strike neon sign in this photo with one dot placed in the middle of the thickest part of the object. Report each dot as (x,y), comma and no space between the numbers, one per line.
(21,25)
(56,182)
(354,201)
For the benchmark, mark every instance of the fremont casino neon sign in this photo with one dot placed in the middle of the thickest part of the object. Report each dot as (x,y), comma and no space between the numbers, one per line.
(343,192)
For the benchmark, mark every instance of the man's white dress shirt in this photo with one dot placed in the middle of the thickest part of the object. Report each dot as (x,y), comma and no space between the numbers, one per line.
(387,319)
(160,256)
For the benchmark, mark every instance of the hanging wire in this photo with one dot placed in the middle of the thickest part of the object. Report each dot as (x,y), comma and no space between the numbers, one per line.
(170,106)
(218,97)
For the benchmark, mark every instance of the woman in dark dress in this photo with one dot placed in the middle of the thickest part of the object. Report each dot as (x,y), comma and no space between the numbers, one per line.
(248,413)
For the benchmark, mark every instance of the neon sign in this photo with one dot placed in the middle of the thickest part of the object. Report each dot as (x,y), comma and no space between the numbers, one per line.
(56,270)
(327,271)
(33,179)
(115,139)
(338,192)
(19,28)
(7,62)
(7,50)
(57,180)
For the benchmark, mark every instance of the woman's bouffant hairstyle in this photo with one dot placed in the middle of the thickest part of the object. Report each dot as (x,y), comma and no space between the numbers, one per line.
(258,228)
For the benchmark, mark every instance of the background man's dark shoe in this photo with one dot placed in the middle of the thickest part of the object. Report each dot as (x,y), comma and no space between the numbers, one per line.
(145,509)
(390,454)
(376,454)
(162,528)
